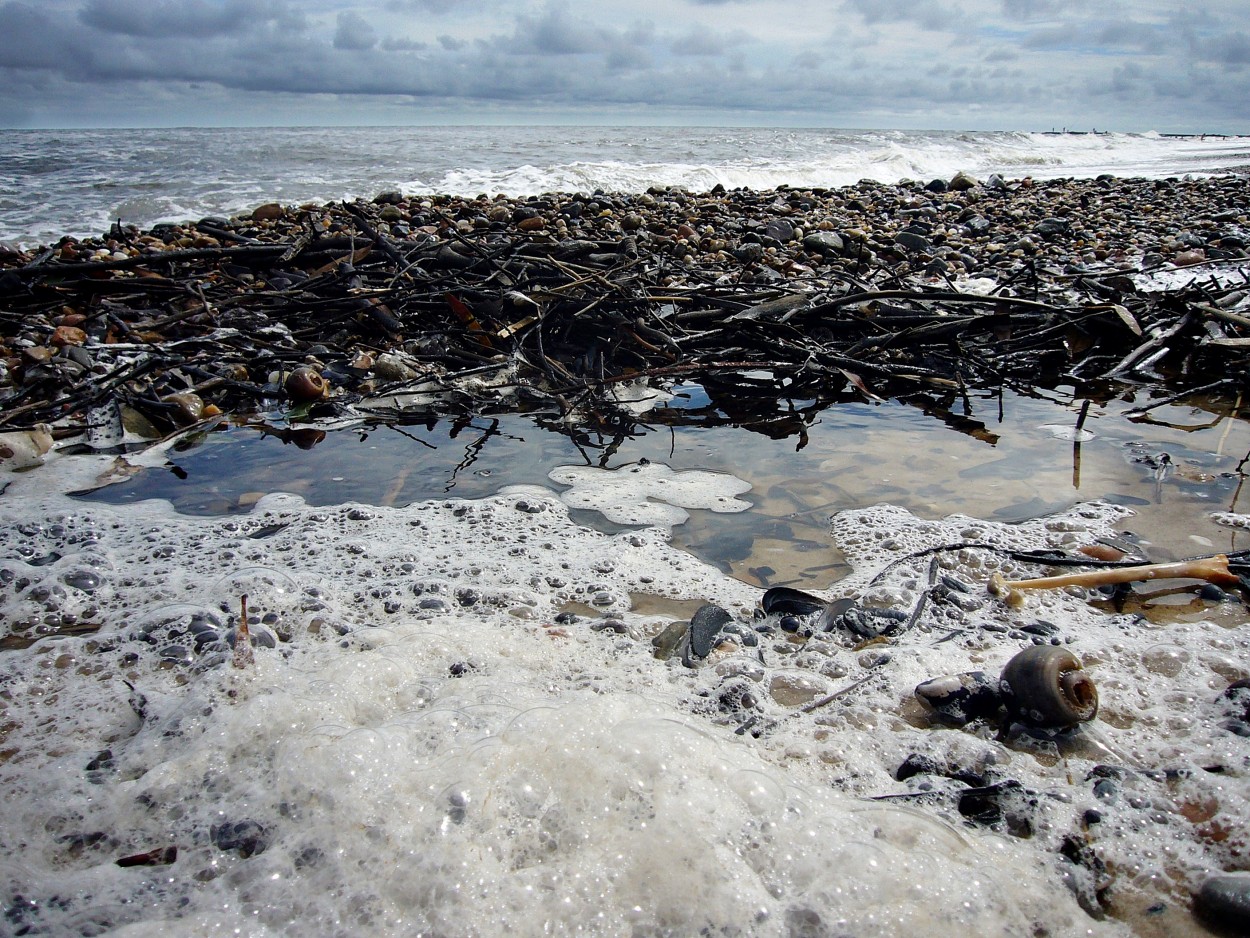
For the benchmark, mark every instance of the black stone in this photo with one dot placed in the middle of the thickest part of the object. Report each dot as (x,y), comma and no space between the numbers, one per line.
(1223,902)
(912,242)
(961,698)
(247,838)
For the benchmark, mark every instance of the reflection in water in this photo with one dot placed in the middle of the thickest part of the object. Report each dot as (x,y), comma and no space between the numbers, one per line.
(997,454)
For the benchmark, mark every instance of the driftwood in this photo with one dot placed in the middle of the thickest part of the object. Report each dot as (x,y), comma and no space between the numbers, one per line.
(559,323)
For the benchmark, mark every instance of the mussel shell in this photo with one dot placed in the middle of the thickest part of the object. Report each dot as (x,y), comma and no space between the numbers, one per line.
(959,698)
(1046,686)
(705,627)
(782,601)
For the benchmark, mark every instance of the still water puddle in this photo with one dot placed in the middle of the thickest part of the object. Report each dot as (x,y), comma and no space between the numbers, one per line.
(1003,456)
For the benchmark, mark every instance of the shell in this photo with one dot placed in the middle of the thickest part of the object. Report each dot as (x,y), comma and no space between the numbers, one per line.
(1046,686)
(783,600)
(305,384)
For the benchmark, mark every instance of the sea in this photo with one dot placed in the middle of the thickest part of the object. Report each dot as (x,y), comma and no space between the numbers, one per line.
(460,713)
(54,183)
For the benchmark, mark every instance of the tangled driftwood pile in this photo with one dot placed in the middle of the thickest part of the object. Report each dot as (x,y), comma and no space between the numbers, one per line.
(399,305)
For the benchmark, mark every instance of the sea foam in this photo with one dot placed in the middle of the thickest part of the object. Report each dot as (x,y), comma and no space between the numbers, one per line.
(424,745)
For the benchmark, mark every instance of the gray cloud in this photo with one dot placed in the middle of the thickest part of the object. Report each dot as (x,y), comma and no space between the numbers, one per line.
(194,19)
(928,13)
(855,63)
(354,33)
(1231,49)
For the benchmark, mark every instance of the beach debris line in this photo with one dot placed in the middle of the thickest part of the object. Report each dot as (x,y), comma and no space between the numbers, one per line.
(405,304)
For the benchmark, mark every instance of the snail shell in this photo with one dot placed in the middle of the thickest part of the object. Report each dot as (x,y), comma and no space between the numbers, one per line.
(305,384)
(1046,686)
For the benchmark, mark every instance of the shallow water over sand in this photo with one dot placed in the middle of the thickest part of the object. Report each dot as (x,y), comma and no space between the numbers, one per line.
(1004,457)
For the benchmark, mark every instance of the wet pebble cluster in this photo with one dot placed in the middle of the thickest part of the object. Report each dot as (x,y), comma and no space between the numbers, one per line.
(963,225)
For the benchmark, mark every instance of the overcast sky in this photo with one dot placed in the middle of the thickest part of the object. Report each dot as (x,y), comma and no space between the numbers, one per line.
(950,64)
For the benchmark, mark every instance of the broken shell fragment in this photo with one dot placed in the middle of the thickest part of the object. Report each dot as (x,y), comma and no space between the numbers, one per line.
(20,449)
(305,384)
(1046,686)
(961,698)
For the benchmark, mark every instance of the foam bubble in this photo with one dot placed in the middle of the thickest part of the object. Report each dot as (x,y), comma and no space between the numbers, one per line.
(649,493)
(414,756)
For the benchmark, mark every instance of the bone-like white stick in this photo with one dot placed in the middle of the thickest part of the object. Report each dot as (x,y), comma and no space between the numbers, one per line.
(1213,569)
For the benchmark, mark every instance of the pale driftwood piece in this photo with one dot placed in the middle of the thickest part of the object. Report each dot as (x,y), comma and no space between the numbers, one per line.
(1213,569)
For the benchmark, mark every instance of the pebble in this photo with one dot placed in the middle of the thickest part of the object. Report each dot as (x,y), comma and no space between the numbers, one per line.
(1223,901)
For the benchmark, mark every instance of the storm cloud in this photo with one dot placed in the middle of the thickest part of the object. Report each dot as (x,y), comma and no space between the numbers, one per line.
(1004,64)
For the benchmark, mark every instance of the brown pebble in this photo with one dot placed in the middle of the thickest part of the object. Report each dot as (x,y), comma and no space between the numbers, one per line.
(268,212)
(38,353)
(531,224)
(68,335)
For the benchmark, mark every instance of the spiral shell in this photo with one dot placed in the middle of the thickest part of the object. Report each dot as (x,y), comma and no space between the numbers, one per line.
(305,384)
(1046,686)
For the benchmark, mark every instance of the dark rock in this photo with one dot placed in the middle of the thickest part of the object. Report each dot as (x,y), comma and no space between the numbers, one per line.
(749,253)
(823,242)
(669,640)
(1236,704)
(977,224)
(960,698)
(705,627)
(247,838)
(1053,227)
(962,182)
(912,242)
(1223,902)
(918,764)
(936,185)
(780,229)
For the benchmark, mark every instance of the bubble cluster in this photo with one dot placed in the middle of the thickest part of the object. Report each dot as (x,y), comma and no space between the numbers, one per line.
(425,743)
(649,493)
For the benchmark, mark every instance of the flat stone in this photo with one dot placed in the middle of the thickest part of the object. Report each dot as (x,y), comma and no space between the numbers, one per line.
(1224,901)
(962,182)
(823,242)
(912,242)
(705,626)
(68,335)
(1052,227)
(780,229)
